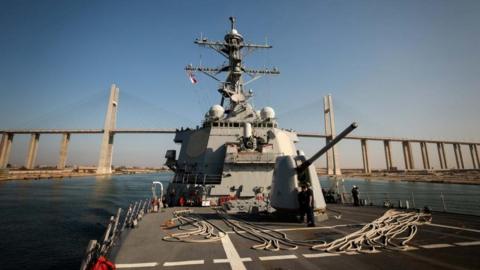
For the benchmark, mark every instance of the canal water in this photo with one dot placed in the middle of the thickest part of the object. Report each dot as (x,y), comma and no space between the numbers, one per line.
(47,224)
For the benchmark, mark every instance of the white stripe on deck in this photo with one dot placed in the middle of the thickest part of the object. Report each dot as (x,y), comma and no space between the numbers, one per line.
(436,246)
(232,254)
(179,263)
(279,257)
(246,259)
(136,265)
(453,227)
(474,243)
(404,248)
(320,255)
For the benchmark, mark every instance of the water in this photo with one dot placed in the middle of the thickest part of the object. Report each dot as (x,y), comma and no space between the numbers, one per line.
(47,224)
(463,199)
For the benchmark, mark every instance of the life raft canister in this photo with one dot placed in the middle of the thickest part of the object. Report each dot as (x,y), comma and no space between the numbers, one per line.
(103,264)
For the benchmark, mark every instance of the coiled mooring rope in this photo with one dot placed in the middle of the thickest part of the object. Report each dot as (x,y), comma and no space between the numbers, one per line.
(195,229)
(267,238)
(393,229)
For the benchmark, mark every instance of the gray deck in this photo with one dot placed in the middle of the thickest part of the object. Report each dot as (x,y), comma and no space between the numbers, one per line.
(450,242)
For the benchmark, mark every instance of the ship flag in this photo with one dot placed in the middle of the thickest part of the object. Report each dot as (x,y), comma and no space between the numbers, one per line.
(192,78)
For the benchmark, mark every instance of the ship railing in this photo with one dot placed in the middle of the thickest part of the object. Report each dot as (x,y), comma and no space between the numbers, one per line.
(198,179)
(451,202)
(116,225)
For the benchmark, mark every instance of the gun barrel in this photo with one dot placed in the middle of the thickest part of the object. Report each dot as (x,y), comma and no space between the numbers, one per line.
(327,147)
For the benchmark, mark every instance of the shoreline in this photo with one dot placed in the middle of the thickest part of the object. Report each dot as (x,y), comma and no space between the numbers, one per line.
(60,175)
(439,177)
(470,177)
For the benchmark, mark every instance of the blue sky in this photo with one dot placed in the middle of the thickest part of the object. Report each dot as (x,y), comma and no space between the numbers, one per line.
(398,68)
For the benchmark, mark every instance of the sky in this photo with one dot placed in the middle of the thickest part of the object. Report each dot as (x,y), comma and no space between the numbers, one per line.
(398,68)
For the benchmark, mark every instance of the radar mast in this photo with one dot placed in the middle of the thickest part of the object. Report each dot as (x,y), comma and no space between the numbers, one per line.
(232,89)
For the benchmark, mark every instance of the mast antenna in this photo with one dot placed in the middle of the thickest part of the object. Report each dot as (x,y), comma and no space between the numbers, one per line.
(232,21)
(232,48)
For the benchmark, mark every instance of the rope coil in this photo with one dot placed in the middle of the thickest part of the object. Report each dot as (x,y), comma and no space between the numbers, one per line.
(193,226)
(393,229)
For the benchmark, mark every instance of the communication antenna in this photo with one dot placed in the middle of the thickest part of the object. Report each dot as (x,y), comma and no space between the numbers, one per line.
(232,47)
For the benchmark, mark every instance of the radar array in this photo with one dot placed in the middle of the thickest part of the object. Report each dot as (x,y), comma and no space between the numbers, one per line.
(232,48)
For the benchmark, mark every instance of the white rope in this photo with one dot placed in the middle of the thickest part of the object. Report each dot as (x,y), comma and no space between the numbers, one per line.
(195,229)
(393,229)
(267,238)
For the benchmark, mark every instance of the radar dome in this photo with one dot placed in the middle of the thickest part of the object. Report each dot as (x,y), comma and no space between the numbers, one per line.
(267,113)
(216,111)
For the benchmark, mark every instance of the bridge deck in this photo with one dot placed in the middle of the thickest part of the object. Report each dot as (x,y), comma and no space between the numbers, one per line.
(172,131)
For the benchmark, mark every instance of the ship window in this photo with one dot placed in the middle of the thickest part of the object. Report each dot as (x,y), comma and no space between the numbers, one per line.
(215,124)
(236,124)
(270,125)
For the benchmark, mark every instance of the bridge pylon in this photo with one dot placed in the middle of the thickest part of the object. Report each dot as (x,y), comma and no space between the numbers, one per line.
(333,163)
(106,149)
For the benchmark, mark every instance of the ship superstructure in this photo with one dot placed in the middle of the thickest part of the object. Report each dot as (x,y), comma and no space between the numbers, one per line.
(236,149)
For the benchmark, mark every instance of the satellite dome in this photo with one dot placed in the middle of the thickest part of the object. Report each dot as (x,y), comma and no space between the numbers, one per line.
(216,111)
(267,113)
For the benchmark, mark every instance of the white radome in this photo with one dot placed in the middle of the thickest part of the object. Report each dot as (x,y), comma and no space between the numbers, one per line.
(216,111)
(267,113)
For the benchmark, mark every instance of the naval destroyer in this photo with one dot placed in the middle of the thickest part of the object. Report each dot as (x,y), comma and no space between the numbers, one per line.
(239,152)
(239,173)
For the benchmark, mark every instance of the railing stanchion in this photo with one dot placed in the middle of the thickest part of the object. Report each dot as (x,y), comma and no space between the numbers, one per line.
(443,202)
(413,201)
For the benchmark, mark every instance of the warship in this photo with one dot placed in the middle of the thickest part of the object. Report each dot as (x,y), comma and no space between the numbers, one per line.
(232,201)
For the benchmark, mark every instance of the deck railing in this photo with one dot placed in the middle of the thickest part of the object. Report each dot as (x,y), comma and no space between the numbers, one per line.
(462,203)
(197,179)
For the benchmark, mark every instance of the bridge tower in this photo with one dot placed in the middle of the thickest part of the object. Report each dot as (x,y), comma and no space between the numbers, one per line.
(333,164)
(106,149)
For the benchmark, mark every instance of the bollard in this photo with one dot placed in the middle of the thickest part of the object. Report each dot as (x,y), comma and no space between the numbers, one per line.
(400,204)
(407,205)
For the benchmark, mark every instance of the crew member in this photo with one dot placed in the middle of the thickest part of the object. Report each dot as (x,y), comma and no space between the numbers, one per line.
(302,202)
(172,198)
(305,199)
(164,201)
(356,201)
(310,206)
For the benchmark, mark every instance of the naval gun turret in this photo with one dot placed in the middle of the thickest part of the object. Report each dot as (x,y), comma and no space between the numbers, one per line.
(293,171)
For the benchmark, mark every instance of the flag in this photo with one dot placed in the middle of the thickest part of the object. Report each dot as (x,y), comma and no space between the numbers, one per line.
(192,78)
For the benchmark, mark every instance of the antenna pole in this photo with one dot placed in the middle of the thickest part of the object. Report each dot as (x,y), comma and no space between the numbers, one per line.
(231,48)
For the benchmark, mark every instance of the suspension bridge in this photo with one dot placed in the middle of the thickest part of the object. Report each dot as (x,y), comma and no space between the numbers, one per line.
(332,158)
